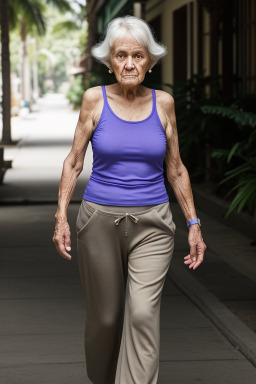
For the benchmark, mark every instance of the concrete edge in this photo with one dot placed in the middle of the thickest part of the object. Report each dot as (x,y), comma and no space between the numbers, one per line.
(242,337)
(241,264)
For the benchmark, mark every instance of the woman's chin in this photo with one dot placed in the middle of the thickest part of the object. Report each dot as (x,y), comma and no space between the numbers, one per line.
(130,79)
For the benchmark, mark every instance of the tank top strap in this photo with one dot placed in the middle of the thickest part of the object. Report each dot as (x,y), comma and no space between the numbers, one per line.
(104,94)
(154,99)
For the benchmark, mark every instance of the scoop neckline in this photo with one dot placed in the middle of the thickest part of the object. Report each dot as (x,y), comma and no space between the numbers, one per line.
(134,121)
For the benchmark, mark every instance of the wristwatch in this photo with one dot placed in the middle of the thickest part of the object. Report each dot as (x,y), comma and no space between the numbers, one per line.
(193,221)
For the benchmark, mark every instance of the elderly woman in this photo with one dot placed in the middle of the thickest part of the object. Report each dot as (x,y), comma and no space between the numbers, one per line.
(125,229)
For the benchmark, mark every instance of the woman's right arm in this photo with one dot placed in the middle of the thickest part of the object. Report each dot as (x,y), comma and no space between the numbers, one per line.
(72,167)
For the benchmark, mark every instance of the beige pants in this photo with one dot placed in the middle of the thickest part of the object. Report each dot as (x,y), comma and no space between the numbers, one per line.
(123,256)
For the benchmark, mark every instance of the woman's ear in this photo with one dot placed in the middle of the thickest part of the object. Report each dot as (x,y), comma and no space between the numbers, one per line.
(150,68)
(150,65)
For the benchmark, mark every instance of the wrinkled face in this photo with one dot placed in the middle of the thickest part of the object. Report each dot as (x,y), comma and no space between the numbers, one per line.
(129,60)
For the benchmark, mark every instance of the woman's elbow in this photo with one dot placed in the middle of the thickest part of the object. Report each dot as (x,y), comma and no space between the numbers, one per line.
(73,164)
(174,173)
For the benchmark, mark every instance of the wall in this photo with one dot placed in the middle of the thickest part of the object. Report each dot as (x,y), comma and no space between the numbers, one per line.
(166,9)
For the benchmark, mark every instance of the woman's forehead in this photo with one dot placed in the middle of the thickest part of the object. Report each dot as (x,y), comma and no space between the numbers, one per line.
(127,43)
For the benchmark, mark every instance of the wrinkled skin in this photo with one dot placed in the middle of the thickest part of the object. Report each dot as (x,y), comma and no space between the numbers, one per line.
(61,238)
(129,61)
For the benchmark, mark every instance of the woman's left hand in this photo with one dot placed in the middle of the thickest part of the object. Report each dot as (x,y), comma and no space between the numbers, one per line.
(197,247)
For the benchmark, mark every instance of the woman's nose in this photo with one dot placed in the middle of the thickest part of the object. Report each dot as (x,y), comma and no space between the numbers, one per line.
(129,62)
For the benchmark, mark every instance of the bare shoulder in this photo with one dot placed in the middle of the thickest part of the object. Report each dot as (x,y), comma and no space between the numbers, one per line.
(165,109)
(92,96)
(164,100)
(92,104)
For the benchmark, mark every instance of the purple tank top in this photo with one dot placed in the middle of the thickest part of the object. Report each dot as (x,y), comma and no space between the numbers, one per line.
(128,160)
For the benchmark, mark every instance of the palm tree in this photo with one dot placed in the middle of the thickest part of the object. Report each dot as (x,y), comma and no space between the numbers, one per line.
(30,14)
(31,19)
(6,86)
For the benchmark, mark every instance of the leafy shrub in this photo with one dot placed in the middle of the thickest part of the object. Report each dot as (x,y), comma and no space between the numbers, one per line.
(244,151)
(217,140)
(198,132)
(76,91)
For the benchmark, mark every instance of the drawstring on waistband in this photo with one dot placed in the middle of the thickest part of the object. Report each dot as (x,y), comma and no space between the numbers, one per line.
(135,219)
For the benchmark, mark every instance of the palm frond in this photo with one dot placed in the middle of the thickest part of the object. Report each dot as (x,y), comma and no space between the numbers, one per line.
(245,195)
(67,25)
(32,11)
(233,151)
(61,5)
(236,172)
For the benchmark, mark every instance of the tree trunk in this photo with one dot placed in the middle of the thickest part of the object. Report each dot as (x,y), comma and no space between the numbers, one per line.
(92,31)
(6,83)
(25,68)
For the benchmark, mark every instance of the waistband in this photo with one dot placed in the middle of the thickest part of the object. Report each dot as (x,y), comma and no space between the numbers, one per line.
(113,210)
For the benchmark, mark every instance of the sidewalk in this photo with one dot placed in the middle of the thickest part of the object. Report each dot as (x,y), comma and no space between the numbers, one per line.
(37,160)
(42,305)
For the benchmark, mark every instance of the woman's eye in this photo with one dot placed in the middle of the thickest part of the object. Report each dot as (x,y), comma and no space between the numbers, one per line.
(138,55)
(120,55)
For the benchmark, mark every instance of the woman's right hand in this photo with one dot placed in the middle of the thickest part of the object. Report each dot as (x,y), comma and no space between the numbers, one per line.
(61,238)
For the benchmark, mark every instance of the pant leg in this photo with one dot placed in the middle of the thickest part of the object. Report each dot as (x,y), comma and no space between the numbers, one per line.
(103,252)
(148,264)
(102,270)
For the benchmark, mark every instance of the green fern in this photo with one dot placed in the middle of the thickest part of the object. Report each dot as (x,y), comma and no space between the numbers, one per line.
(246,186)
(243,150)
(241,118)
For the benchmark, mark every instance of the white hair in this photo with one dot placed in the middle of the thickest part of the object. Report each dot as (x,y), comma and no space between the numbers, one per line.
(139,29)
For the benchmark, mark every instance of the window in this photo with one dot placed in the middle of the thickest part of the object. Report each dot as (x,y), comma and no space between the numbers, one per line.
(245,46)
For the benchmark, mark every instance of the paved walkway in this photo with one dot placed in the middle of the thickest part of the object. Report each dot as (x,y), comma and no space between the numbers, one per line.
(42,307)
(38,158)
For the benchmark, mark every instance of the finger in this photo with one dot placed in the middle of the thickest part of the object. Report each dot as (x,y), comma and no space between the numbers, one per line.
(187,257)
(68,242)
(61,248)
(193,254)
(200,257)
(201,252)
(198,262)
(188,261)
(193,251)
(192,264)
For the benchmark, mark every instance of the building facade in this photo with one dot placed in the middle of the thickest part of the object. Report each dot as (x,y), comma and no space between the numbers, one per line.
(215,38)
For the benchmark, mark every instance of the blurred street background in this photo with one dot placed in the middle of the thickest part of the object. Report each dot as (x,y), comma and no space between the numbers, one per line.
(208,316)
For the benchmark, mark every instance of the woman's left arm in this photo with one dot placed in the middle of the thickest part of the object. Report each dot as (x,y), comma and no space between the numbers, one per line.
(179,180)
